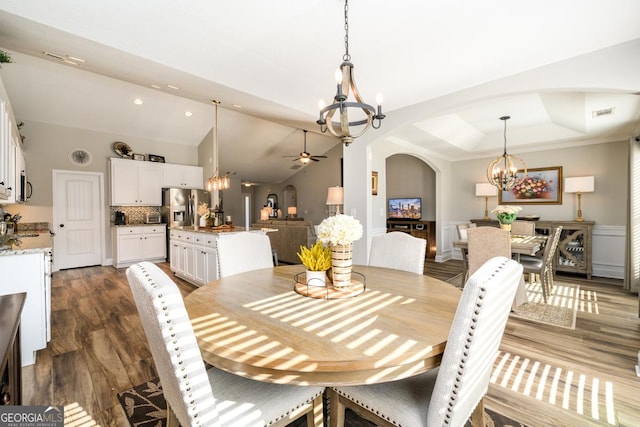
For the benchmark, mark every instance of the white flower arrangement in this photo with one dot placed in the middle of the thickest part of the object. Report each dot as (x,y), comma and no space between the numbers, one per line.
(506,214)
(339,230)
(203,210)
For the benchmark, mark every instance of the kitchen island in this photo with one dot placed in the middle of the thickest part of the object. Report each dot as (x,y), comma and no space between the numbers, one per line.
(27,268)
(193,252)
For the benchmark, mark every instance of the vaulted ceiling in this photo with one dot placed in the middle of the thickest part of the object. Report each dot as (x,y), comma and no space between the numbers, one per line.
(270,62)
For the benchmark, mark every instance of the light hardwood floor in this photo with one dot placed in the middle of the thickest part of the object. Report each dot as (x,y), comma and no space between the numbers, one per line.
(98,348)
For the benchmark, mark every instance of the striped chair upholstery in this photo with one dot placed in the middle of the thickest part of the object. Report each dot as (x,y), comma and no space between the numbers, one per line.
(447,395)
(200,397)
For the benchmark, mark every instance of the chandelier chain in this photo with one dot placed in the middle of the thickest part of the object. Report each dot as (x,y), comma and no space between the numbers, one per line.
(346,57)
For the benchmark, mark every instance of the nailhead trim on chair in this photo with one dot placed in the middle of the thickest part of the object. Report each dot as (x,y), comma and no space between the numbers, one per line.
(177,352)
(294,409)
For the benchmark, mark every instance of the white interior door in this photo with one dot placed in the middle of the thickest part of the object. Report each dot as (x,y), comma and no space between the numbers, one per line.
(77,219)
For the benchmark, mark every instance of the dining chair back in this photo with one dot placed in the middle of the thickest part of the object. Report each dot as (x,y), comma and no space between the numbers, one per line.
(461,229)
(485,243)
(195,395)
(523,228)
(450,394)
(542,267)
(243,251)
(399,251)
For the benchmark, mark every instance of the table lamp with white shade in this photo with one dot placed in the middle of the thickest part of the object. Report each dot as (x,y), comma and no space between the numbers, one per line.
(292,211)
(579,185)
(335,197)
(486,190)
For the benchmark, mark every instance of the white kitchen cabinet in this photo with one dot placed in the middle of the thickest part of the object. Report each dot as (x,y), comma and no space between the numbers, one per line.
(19,168)
(29,273)
(193,256)
(135,183)
(182,176)
(8,136)
(139,243)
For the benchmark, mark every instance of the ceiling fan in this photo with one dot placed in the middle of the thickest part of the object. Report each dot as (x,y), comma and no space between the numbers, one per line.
(305,157)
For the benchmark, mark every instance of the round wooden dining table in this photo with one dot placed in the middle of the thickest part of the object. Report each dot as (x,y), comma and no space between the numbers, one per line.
(256,325)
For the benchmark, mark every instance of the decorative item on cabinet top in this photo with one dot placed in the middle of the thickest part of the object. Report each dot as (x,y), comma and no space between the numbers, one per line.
(123,150)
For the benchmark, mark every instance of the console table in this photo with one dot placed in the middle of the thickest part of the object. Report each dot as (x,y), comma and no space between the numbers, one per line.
(574,247)
(11,367)
(423,229)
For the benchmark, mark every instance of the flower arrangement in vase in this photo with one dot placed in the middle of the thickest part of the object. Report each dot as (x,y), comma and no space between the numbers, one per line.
(339,232)
(205,215)
(506,215)
(317,260)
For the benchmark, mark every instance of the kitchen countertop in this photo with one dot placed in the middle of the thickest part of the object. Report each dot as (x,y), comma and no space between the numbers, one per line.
(32,243)
(214,230)
(139,224)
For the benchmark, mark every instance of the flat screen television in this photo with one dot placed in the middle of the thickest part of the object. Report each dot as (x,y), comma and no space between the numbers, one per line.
(405,208)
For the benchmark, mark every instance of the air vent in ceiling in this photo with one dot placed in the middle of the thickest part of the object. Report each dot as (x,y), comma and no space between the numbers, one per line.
(603,112)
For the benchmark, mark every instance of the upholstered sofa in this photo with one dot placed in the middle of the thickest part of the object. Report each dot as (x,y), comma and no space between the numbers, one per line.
(290,235)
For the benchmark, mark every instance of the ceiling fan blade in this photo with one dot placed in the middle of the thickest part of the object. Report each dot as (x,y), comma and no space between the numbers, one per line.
(320,157)
(314,159)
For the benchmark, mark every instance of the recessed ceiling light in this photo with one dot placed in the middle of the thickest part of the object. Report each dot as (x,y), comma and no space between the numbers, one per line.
(188,113)
(155,86)
(137,101)
(173,87)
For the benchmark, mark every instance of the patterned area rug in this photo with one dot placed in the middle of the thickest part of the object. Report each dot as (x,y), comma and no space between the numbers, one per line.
(144,406)
(560,309)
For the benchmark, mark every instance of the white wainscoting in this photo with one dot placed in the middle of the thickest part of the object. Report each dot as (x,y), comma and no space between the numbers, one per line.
(608,251)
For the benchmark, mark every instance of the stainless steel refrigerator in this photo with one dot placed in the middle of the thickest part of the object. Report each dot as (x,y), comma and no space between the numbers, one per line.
(180,206)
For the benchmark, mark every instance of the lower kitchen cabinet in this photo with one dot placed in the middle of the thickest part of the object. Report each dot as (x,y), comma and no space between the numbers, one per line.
(137,243)
(30,273)
(193,256)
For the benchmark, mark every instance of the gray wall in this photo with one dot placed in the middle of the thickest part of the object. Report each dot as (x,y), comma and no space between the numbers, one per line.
(408,176)
(607,205)
(311,182)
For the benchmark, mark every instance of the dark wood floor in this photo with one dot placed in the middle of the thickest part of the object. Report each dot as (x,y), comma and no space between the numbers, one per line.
(98,348)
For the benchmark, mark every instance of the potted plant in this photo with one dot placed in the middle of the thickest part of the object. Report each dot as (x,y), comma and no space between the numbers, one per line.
(317,260)
(5,58)
(506,215)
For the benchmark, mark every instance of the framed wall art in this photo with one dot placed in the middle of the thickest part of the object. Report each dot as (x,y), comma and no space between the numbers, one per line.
(542,186)
(374,183)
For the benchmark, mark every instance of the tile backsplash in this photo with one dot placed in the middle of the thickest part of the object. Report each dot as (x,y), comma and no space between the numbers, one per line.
(134,214)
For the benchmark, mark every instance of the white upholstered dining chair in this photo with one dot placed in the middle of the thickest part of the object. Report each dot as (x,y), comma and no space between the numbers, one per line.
(243,251)
(399,251)
(461,229)
(450,394)
(207,397)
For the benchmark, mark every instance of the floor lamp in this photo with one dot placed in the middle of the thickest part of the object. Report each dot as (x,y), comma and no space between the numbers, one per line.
(579,185)
(486,190)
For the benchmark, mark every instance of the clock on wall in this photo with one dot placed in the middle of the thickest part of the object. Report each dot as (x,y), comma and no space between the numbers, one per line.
(80,157)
